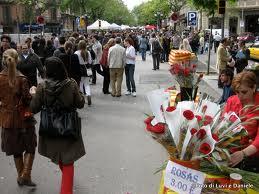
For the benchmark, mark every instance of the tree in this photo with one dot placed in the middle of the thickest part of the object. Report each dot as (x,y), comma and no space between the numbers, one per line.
(176,5)
(144,13)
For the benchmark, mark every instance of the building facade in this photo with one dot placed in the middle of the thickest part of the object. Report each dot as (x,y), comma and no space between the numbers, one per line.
(16,18)
(243,16)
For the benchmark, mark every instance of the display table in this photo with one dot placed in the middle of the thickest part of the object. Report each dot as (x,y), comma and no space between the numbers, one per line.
(164,190)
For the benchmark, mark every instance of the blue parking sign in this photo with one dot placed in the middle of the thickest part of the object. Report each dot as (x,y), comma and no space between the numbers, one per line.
(192,18)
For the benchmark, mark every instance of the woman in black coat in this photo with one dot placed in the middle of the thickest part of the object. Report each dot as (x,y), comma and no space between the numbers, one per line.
(63,151)
(71,62)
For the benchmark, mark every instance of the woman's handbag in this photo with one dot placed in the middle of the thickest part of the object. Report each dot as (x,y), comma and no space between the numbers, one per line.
(232,63)
(83,71)
(58,122)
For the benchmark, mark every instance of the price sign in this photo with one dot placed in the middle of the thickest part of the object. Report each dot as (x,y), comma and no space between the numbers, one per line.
(183,180)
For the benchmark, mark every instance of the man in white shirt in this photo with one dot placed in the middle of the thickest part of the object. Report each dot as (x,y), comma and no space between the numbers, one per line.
(116,62)
(217,39)
(130,68)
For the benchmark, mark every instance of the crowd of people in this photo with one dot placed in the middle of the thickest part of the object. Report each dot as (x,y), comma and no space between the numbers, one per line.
(110,54)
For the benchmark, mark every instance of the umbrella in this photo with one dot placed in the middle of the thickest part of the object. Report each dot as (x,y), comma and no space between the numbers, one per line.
(150,27)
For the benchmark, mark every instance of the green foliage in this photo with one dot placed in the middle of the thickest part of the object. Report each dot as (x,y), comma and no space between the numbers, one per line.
(209,6)
(112,11)
(144,13)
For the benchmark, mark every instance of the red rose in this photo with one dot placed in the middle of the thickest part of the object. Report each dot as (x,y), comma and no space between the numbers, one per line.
(233,150)
(158,128)
(194,66)
(148,120)
(205,148)
(201,133)
(207,120)
(198,117)
(233,118)
(188,114)
(170,109)
(186,71)
(204,108)
(215,137)
(193,131)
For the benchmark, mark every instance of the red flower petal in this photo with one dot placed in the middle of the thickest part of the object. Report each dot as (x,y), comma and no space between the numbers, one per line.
(233,118)
(170,109)
(188,114)
(205,148)
(148,120)
(199,118)
(193,131)
(207,120)
(201,134)
(215,137)
(158,128)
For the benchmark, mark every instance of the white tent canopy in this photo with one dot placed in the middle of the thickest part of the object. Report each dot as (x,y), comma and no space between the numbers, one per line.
(100,24)
(115,26)
(123,27)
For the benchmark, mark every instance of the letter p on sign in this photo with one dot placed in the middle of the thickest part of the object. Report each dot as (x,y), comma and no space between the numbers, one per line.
(192,18)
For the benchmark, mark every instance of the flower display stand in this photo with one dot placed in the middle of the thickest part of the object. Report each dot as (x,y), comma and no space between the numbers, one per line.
(210,178)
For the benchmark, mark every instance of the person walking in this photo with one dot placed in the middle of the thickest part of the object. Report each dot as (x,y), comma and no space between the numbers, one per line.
(222,58)
(84,60)
(104,64)
(63,151)
(143,42)
(29,64)
(242,57)
(4,45)
(18,136)
(130,68)
(116,62)
(156,50)
(97,48)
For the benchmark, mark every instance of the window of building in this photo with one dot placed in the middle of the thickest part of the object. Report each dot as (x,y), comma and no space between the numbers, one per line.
(6,14)
(53,13)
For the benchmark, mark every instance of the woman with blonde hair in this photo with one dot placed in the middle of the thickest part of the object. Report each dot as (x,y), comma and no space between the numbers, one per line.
(185,45)
(85,60)
(18,125)
(104,64)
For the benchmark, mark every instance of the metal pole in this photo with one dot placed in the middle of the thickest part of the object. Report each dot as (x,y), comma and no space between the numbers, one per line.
(223,26)
(208,67)
(18,25)
(242,26)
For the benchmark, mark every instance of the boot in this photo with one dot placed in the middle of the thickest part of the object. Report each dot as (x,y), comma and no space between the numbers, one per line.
(89,100)
(19,167)
(26,173)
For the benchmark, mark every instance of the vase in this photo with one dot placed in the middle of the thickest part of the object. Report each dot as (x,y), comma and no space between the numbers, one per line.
(193,164)
(186,94)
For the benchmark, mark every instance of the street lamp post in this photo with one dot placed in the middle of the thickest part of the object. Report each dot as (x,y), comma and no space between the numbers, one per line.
(86,17)
(158,15)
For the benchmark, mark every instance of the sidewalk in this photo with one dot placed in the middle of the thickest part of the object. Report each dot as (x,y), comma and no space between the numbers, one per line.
(211,79)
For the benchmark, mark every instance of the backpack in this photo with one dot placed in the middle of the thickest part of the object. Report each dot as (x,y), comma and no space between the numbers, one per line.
(156,47)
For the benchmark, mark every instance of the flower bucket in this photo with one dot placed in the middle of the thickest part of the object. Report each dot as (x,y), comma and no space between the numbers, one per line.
(186,94)
(193,164)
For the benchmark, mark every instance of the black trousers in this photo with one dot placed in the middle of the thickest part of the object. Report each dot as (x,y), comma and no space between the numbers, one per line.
(96,68)
(156,61)
(106,79)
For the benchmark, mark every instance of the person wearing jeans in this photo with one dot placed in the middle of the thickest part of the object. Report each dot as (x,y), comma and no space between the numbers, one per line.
(143,46)
(130,68)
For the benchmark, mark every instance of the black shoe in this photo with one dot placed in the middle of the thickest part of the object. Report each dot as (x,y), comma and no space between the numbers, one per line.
(113,95)
(89,100)
(106,92)
(118,95)
(154,69)
(92,83)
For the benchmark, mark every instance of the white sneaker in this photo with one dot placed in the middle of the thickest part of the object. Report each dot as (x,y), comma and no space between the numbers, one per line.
(128,93)
(134,94)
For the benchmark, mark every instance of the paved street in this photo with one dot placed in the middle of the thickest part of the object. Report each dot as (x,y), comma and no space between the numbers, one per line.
(121,157)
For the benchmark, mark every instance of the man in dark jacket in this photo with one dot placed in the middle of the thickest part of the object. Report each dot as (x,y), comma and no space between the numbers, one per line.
(5,44)
(28,65)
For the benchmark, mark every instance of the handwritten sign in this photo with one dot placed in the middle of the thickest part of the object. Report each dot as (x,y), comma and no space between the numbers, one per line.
(182,179)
